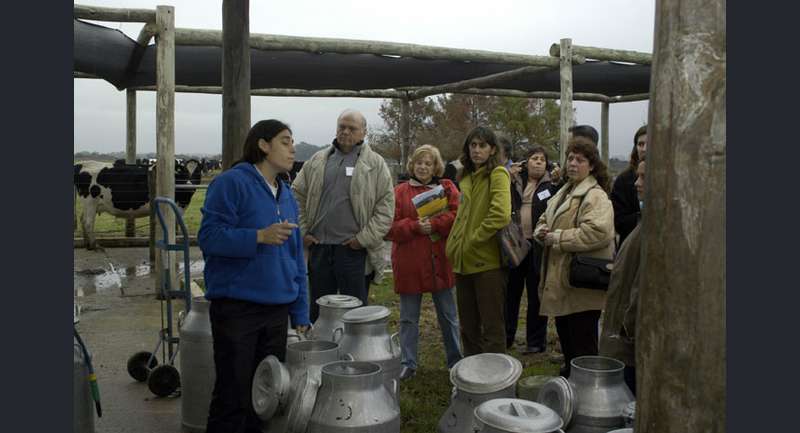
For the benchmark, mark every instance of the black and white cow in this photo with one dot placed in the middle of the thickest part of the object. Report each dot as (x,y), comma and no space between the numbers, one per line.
(122,190)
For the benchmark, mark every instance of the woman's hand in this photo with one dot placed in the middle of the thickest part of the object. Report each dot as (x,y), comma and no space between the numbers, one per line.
(542,233)
(425,226)
(276,234)
(550,239)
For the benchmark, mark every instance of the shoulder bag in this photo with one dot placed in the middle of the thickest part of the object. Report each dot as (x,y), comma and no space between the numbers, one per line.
(589,272)
(513,245)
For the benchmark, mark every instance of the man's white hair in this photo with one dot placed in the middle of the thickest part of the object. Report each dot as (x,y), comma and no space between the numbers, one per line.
(351,112)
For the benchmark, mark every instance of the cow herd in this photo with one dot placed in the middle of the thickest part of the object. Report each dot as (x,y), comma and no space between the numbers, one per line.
(122,190)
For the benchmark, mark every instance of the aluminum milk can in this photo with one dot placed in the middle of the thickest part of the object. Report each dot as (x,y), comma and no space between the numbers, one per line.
(196,366)
(365,337)
(82,403)
(511,415)
(477,379)
(331,309)
(594,397)
(352,398)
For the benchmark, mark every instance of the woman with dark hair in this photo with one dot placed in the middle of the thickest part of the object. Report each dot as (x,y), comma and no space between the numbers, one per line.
(473,247)
(579,219)
(255,273)
(623,194)
(530,191)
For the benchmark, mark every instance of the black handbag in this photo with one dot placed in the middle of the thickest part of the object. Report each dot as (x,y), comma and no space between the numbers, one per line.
(589,272)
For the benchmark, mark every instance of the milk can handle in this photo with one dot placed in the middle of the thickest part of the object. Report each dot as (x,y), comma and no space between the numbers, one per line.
(341,334)
(348,357)
(395,385)
(395,336)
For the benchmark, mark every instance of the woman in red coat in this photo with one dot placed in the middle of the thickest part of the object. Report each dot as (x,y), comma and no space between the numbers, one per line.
(419,263)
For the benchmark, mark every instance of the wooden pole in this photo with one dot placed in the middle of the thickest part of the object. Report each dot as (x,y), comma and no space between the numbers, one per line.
(604,132)
(130,148)
(151,191)
(148,31)
(680,340)
(235,78)
(113,14)
(267,42)
(165,126)
(405,132)
(488,80)
(217,90)
(605,54)
(566,97)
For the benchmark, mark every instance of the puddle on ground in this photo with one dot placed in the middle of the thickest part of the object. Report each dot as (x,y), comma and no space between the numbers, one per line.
(111,279)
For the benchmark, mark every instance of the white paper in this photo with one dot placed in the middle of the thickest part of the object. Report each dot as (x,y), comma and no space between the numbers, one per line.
(544,194)
(348,171)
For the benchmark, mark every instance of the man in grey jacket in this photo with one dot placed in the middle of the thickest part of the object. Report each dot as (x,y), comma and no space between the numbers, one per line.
(346,198)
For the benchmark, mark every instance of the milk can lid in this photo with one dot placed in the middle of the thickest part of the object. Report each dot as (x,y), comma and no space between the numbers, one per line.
(557,394)
(622,430)
(270,389)
(517,415)
(366,314)
(485,373)
(339,301)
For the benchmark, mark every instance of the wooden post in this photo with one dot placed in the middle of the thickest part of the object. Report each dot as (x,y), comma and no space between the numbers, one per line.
(130,149)
(151,185)
(165,121)
(604,132)
(680,340)
(566,96)
(235,78)
(405,131)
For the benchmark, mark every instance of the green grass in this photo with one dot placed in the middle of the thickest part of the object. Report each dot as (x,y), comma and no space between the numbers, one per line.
(425,397)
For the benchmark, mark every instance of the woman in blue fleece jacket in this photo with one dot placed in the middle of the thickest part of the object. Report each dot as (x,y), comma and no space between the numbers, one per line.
(255,273)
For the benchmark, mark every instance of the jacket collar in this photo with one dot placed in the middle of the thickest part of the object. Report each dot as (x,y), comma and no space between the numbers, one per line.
(578,190)
(257,177)
(414,182)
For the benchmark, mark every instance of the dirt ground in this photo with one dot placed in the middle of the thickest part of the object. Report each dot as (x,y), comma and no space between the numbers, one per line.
(120,316)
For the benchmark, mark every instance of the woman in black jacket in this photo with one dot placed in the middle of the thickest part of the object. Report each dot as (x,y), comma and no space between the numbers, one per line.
(623,193)
(530,191)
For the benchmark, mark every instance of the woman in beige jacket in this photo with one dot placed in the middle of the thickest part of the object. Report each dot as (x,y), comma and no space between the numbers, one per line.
(578,219)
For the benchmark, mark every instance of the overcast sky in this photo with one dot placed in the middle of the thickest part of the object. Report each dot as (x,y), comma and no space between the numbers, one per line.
(514,26)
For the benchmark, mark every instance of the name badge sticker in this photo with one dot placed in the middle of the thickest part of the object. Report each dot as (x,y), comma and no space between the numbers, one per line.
(348,171)
(543,195)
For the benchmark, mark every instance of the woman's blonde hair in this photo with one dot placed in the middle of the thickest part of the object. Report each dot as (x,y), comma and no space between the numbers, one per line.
(438,163)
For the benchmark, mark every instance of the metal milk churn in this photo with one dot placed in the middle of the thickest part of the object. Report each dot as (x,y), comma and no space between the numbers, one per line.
(511,415)
(331,309)
(477,379)
(352,398)
(82,403)
(196,366)
(594,397)
(274,383)
(366,338)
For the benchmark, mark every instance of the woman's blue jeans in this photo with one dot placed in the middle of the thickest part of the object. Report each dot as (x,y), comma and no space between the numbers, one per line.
(447,315)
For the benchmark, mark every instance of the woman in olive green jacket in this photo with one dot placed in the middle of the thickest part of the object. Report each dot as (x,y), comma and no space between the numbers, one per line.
(473,247)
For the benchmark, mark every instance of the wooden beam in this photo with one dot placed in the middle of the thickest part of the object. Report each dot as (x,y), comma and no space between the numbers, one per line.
(566,97)
(148,31)
(235,78)
(76,74)
(330,93)
(267,42)
(595,97)
(681,329)
(126,242)
(605,54)
(130,147)
(165,127)
(604,132)
(629,98)
(405,132)
(98,13)
(488,80)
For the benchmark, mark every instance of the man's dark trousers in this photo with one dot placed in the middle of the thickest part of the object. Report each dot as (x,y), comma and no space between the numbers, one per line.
(335,269)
